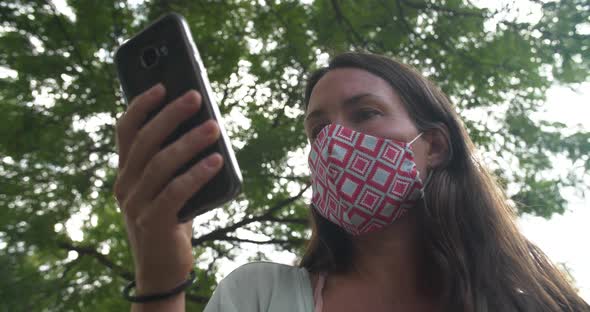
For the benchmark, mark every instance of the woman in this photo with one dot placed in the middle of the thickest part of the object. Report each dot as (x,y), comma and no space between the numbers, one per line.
(404,217)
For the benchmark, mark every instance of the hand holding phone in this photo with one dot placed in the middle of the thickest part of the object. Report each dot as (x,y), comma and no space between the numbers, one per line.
(164,52)
(175,159)
(149,194)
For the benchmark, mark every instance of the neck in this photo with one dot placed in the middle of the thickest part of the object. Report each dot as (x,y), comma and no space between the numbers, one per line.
(390,261)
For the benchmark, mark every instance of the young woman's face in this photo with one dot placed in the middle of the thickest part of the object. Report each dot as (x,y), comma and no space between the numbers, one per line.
(357,99)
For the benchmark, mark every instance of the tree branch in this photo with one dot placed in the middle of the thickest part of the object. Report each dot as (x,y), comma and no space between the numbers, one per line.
(441,43)
(67,35)
(293,96)
(440,8)
(221,232)
(295,48)
(302,179)
(265,242)
(345,22)
(91,251)
(301,221)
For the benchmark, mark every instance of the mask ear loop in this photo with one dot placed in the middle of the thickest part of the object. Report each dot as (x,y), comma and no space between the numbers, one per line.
(428,177)
(416,138)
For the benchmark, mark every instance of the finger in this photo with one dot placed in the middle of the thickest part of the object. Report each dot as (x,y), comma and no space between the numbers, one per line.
(167,204)
(130,123)
(162,167)
(188,228)
(150,138)
(128,126)
(165,164)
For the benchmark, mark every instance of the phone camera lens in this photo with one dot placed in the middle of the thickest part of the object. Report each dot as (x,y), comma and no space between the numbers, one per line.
(149,57)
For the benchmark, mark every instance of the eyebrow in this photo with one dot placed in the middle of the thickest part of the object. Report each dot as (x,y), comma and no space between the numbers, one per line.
(353,100)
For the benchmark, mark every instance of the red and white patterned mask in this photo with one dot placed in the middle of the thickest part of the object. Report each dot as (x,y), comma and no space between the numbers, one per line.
(361,182)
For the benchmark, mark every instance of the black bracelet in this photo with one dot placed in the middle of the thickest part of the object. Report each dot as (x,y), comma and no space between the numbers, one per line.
(155,297)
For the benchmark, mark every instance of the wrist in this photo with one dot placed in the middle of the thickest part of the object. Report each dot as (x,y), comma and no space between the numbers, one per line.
(156,283)
(153,292)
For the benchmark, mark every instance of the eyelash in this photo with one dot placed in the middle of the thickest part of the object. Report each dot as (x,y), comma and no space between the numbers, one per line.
(365,112)
(358,117)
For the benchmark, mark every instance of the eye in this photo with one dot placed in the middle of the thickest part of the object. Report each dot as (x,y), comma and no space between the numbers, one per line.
(365,114)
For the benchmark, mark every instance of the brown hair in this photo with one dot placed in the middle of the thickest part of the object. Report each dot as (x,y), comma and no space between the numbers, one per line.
(481,261)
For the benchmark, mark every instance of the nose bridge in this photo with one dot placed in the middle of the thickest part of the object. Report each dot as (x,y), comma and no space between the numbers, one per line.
(338,118)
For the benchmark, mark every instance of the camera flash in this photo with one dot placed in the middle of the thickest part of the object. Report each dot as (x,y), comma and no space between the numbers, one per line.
(164,50)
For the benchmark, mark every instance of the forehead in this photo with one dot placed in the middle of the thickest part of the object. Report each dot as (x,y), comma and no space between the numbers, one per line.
(340,84)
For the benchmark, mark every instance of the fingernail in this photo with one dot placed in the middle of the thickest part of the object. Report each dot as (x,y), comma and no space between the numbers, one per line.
(190,97)
(213,161)
(209,128)
(157,89)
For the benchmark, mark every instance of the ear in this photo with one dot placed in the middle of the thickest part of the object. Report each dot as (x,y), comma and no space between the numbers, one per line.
(438,149)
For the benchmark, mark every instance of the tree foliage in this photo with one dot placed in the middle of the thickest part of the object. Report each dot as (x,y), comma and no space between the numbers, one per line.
(60,98)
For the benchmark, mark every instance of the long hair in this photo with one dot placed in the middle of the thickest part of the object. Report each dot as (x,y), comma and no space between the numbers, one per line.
(480,260)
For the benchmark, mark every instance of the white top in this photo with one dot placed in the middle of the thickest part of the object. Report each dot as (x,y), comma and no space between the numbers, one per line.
(265,286)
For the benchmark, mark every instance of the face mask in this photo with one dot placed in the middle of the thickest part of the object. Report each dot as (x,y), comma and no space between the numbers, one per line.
(360,182)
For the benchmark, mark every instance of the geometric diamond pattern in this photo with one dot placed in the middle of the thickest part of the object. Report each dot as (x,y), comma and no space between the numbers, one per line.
(362,182)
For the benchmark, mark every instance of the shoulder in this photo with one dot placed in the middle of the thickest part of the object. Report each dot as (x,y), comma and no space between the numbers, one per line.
(263,286)
(265,267)
(265,274)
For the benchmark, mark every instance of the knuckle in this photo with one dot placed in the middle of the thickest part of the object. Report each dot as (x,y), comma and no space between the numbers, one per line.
(195,140)
(141,222)
(142,137)
(132,206)
(177,148)
(160,160)
(149,173)
(201,174)
(128,210)
(118,190)
(174,191)
(193,177)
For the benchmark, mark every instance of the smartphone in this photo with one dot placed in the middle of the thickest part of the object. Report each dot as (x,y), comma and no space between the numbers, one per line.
(164,52)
